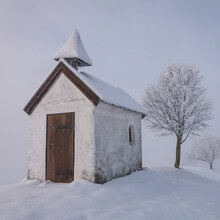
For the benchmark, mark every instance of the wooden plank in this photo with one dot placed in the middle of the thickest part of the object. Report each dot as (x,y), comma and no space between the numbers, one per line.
(60,147)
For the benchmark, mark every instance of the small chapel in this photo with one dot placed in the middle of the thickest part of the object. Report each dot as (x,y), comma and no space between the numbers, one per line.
(80,126)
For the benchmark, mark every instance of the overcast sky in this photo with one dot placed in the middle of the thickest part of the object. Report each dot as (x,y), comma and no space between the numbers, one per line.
(130,43)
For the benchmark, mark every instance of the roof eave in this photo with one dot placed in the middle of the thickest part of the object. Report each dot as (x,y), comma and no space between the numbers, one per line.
(82,62)
(45,86)
(128,109)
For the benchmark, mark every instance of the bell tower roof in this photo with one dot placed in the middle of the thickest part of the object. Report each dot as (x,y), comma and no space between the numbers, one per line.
(74,52)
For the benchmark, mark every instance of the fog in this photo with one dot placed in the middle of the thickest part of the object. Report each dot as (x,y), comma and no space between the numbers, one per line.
(130,43)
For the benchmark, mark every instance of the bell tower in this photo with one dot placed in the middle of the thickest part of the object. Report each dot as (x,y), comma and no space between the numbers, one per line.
(74,52)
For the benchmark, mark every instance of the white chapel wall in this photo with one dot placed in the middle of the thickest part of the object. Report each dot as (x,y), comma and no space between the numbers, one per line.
(63,97)
(115,156)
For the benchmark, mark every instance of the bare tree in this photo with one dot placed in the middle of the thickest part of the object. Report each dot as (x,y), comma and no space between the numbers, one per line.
(206,149)
(177,104)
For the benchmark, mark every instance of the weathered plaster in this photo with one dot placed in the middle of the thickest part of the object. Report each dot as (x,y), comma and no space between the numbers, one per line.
(114,155)
(63,97)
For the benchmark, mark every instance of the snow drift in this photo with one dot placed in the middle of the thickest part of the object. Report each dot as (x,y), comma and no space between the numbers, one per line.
(158,193)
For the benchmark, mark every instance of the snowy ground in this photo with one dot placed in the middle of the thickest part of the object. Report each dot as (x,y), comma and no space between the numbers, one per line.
(158,193)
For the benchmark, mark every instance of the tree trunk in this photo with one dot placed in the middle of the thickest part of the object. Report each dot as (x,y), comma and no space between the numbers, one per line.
(211,166)
(178,152)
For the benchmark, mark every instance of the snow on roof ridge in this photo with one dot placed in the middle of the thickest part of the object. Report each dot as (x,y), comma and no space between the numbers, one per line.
(107,92)
(73,48)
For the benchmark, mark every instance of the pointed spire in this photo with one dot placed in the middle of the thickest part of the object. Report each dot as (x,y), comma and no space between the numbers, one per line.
(74,52)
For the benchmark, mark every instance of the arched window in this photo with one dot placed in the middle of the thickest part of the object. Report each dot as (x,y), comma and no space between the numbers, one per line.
(131,134)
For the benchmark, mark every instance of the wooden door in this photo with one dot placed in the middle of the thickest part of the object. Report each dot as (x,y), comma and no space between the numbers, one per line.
(60,147)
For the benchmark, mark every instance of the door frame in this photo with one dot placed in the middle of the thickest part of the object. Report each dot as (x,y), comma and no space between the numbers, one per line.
(73,114)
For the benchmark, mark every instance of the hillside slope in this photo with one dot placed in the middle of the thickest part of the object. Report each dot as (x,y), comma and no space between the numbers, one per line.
(158,193)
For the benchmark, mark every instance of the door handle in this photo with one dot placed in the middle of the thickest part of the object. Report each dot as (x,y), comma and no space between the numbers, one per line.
(51,145)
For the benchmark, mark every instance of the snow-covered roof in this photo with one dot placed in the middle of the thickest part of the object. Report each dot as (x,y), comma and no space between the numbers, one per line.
(95,89)
(106,92)
(74,48)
